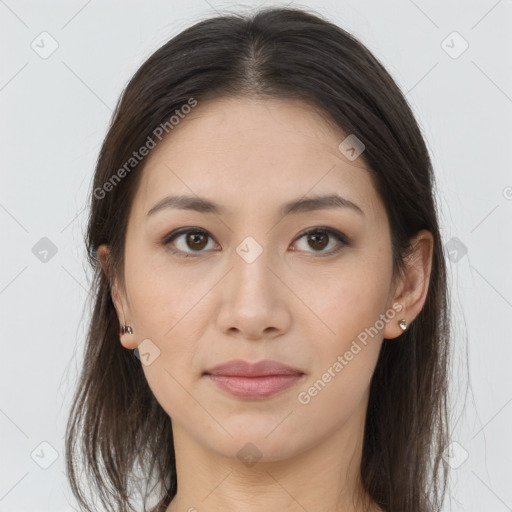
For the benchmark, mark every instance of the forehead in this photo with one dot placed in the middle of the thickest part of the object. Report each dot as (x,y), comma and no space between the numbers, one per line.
(254,152)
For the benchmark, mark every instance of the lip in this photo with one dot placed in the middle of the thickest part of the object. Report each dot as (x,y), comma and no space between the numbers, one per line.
(241,368)
(254,381)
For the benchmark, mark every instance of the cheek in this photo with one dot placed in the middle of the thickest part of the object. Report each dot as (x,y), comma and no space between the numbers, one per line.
(349,298)
(170,306)
(163,297)
(337,397)
(348,305)
(344,360)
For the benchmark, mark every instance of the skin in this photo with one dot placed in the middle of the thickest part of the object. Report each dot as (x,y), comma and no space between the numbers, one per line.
(291,304)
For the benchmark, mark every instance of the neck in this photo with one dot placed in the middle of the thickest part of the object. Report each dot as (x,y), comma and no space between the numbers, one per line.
(322,478)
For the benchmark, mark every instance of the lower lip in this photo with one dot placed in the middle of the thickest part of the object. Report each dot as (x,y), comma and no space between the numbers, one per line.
(255,387)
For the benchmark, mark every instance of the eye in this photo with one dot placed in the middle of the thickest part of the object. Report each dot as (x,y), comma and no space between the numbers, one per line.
(319,239)
(194,238)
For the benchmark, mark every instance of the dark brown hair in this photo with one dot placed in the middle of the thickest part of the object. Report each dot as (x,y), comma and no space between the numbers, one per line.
(116,426)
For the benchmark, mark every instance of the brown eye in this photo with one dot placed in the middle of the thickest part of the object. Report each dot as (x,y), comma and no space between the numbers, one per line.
(192,242)
(319,238)
(318,241)
(187,241)
(196,240)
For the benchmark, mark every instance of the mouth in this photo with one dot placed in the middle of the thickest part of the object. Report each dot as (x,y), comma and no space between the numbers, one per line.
(254,381)
(255,388)
(241,368)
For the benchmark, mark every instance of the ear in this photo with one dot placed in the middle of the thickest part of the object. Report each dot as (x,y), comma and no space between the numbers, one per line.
(411,290)
(119,300)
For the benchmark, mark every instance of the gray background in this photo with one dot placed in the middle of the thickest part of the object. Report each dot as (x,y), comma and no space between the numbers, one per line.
(55,112)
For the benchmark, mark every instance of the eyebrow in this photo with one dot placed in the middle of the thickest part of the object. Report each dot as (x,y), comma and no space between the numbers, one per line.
(302,205)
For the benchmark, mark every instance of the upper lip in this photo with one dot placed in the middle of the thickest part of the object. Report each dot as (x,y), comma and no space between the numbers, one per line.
(241,368)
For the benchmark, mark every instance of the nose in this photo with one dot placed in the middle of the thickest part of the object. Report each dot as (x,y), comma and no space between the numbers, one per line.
(254,300)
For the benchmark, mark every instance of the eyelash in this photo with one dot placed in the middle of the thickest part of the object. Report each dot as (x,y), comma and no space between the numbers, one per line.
(340,237)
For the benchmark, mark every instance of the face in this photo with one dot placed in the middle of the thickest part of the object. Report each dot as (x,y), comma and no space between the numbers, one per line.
(311,288)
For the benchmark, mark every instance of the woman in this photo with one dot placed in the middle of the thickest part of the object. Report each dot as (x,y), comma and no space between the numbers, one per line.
(270,326)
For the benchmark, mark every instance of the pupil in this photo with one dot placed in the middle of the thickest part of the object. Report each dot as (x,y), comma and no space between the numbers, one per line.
(193,238)
(314,237)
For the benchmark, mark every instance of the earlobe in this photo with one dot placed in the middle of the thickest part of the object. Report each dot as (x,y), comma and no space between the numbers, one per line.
(397,326)
(413,288)
(127,337)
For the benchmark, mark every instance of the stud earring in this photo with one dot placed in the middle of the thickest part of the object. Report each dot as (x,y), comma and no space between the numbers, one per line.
(402,324)
(126,329)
